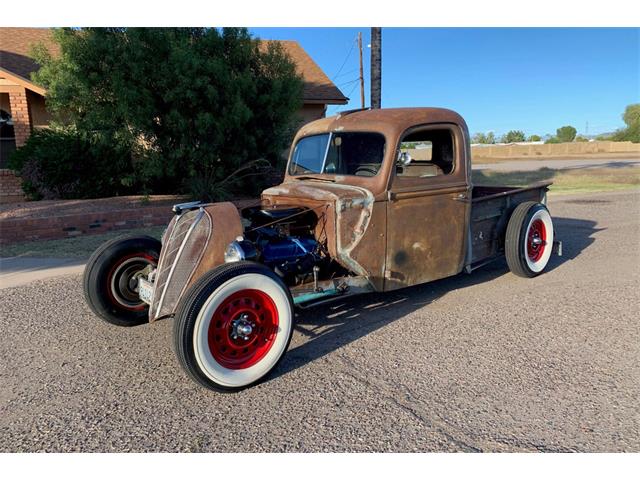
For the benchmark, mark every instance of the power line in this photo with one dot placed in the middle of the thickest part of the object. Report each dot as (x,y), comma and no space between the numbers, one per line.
(345,73)
(353,44)
(349,82)
(354,87)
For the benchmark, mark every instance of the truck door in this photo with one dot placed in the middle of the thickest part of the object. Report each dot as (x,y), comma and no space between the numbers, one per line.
(429,206)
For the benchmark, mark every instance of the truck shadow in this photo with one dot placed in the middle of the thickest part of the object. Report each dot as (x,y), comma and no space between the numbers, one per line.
(576,235)
(330,326)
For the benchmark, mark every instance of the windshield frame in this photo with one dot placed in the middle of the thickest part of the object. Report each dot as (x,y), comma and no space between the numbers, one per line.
(326,154)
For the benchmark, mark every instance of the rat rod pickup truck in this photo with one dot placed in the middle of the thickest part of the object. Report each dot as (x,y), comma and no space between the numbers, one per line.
(372,200)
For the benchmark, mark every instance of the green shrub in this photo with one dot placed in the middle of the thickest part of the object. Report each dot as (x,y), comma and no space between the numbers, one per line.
(202,102)
(63,163)
(629,134)
(605,137)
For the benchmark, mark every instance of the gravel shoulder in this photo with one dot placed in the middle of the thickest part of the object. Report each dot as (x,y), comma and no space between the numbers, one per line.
(481,362)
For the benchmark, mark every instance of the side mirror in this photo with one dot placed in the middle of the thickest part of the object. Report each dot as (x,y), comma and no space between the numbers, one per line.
(404,159)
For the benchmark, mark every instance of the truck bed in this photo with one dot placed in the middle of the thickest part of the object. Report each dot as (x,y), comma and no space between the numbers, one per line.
(491,207)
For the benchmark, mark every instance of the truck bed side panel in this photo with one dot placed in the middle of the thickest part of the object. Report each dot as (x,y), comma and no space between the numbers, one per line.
(491,208)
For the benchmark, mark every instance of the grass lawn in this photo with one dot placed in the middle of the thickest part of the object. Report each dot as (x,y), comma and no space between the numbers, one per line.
(564,182)
(580,180)
(74,247)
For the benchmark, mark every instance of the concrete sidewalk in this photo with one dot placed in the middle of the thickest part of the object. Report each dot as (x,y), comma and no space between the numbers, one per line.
(15,271)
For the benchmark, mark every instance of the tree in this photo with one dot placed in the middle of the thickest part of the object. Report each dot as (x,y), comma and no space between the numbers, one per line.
(479,138)
(631,115)
(631,133)
(203,102)
(581,138)
(513,136)
(534,138)
(488,138)
(566,134)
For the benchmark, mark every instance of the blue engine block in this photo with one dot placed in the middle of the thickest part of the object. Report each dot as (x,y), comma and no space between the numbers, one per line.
(288,249)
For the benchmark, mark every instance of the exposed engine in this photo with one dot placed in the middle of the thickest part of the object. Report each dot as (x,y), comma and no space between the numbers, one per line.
(283,239)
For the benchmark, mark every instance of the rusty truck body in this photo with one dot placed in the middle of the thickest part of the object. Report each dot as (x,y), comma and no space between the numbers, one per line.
(372,200)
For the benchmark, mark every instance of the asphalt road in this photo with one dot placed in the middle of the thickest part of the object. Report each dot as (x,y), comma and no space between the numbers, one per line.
(556,164)
(481,362)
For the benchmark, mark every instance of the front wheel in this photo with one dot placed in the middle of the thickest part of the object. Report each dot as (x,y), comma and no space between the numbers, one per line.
(233,326)
(111,279)
(529,239)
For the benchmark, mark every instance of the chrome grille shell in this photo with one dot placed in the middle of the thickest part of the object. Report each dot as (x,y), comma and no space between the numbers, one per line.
(183,245)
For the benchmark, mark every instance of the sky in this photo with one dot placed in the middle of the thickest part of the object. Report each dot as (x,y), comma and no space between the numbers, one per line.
(498,79)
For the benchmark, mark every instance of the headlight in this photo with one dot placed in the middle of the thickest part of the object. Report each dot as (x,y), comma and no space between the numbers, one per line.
(234,252)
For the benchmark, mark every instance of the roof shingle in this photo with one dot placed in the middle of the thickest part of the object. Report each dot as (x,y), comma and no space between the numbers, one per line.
(317,86)
(15,47)
(16,44)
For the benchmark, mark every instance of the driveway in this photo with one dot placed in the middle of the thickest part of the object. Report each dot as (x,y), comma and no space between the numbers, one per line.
(481,362)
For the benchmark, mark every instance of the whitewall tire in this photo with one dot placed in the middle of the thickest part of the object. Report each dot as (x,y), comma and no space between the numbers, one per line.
(233,326)
(529,239)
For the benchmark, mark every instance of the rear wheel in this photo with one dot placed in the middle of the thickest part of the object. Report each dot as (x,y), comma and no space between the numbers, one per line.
(111,279)
(529,239)
(233,326)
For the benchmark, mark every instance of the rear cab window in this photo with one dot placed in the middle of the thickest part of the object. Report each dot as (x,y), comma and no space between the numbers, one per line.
(426,153)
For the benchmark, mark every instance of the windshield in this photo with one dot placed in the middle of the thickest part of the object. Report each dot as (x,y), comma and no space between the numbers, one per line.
(344,153)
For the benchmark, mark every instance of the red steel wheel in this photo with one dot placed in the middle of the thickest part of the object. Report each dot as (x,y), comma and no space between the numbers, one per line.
(243,329)
(536,240)
(233,326)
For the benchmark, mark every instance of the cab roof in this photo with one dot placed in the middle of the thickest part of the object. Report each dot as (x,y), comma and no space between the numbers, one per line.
(389,121)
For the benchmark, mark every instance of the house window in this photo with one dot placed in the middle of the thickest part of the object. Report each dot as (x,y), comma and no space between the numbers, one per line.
(7,138)
(426,153)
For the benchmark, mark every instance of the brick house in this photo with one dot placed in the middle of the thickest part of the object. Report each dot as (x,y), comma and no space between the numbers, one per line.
(23,108)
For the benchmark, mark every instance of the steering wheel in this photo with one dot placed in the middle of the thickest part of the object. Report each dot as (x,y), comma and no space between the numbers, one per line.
(370,170)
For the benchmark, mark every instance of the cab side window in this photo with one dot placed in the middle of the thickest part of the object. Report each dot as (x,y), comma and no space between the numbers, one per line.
(426,153)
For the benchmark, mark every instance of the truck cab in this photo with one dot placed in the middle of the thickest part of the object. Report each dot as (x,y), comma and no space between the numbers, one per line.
(414,165)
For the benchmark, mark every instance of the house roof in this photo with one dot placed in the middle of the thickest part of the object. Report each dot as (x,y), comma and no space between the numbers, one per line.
(16,43)
(15,46)
(317,86)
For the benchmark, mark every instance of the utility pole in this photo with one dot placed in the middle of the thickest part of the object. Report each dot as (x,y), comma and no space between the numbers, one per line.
(361,70)
(376,66)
